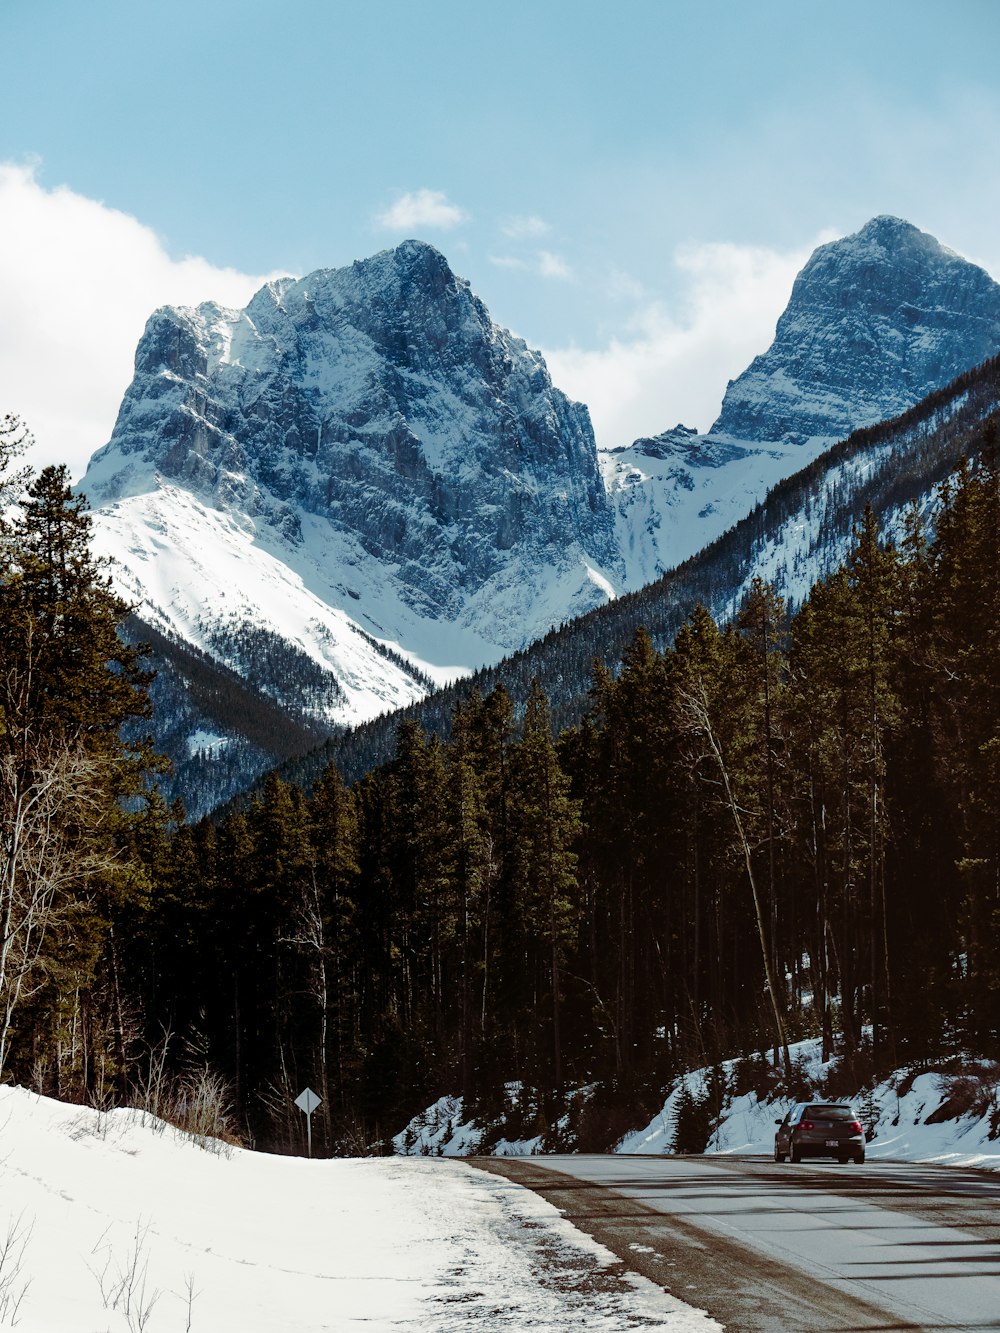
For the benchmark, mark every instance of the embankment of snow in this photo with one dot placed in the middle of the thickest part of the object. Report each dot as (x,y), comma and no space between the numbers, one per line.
(116,1221)
(949,1116)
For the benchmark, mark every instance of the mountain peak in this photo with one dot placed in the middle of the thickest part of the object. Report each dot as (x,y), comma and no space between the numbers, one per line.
(888,225)
(419,254)
(376,426)
(411,258)
(876,320)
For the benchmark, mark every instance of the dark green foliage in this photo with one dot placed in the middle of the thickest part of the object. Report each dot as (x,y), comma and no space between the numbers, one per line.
(752,836)
(780,827)
(693,1121)
(71,798)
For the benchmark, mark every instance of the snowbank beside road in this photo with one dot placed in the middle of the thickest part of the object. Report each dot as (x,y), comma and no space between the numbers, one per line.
(118,1222)
(934,1116)
(909,1117)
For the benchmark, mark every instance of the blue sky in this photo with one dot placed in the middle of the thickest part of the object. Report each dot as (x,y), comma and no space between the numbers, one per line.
(631,188)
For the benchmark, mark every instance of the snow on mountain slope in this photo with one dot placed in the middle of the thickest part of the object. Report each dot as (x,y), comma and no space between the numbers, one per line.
(676,492)
(114,1220)
(876,321)
(362,452)
(359,486)
(199,572)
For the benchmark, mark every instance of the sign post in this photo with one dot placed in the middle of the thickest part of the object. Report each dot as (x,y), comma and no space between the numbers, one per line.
(307,1101)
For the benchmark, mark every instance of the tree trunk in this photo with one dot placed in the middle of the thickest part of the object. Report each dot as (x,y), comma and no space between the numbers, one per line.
(696,704)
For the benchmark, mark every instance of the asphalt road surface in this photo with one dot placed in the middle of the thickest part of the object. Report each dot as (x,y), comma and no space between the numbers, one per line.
(884,1246)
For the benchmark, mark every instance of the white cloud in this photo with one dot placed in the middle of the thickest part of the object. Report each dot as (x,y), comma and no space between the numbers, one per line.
(78,281)
(422,208)
(553,266)
(624,286)
(525,228)
(511,262)
(544,264)
(672,366)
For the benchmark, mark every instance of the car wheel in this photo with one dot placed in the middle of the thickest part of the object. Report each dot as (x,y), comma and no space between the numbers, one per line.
(859,1157)
(778,1156)
(843,1159)
(795,1154)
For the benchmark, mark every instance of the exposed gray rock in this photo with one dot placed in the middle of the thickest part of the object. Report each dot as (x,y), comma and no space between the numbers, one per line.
(382,398)
(875,322)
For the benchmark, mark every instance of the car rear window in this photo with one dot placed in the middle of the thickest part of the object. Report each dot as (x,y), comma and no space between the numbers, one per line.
(829,1112)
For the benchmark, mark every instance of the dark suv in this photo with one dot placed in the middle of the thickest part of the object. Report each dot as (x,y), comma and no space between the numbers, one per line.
(820,1129)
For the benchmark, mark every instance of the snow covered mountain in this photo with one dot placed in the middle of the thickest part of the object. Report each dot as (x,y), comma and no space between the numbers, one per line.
(800,532)
(876,321)
(360,487)
(361,466)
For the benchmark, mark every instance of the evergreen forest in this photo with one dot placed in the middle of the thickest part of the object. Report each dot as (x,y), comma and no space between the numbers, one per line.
(781,826)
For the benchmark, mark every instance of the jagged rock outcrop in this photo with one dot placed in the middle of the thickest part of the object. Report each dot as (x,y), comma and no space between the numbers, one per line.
(875,322)
(381,400)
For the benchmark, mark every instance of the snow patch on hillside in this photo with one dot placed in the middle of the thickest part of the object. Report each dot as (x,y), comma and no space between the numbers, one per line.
(907,1117)
(189,567)
(670,503)
(895,1113)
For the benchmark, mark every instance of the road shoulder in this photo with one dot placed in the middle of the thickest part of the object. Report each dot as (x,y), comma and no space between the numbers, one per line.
(737,1286)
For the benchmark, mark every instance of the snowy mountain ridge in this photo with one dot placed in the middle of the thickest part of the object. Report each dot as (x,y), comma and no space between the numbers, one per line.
(799,532)
(360,486)
(876,321)
(410,461)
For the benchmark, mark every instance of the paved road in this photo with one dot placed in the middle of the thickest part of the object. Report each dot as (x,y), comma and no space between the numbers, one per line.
(778,1249)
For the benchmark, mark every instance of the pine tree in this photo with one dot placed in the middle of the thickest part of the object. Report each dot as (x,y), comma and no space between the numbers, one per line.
(760,678)
(960,594)
(546,821)
(334,835)
(68,687)
(707,665)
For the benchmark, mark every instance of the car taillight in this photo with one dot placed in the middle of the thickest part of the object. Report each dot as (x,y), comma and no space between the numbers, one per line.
(856,1127)
(806,1124)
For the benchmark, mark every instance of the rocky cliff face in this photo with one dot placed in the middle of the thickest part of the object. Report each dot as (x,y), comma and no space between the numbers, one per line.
(875,322)
(379,400)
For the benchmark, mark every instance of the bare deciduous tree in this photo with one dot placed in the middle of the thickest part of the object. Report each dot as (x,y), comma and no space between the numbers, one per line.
(695,718)
(49,793)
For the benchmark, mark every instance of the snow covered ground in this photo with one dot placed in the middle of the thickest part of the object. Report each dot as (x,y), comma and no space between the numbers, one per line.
(115,1221)
(895,1112)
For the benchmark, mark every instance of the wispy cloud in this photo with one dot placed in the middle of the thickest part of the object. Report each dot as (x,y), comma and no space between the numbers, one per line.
(553,266)
(525,228)
(623,286)
(79,281)
(422,208)
(543,263)
(672,365)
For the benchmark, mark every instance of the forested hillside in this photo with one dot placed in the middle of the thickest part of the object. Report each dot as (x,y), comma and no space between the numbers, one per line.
(219,730)
(782,826)
(801,531)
